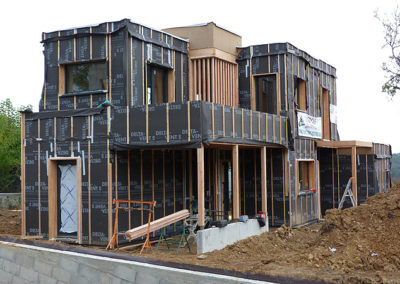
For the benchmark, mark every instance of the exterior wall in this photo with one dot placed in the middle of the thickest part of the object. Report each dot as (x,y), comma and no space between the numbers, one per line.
(335,171)
(127,48)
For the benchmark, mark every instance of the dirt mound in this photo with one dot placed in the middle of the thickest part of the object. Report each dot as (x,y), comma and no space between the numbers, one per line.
(10,222)
(355,245)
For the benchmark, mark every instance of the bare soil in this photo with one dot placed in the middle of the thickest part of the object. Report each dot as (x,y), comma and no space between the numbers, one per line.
(355,245)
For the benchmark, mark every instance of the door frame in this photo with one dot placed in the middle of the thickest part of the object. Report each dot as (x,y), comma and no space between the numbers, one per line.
(53,196)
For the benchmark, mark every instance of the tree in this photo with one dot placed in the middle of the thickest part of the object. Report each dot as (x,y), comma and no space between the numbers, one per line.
(10,147)
(391,25)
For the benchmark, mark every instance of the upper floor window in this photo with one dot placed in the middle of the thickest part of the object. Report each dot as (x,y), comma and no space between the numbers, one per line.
(301,97)
(85,77)
(157,85)
(266,94)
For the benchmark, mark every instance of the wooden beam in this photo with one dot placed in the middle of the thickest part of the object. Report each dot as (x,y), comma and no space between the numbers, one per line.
(343,144)
(200,185)
(354,171)
(264,179)
(235,182)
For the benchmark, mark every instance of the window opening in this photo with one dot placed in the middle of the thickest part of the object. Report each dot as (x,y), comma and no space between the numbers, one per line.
(266,94)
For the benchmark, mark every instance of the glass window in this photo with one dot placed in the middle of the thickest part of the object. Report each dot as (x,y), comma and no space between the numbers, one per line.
(86,77)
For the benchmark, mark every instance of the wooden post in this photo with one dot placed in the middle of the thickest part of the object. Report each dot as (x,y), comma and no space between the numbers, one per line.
(200,185)
(354,171)
(23,225)
(236,197)
(264,179)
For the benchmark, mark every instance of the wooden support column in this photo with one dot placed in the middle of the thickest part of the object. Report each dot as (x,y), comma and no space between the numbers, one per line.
(354,171)
(235,182)
(23,225)
(264,179)
(200,185)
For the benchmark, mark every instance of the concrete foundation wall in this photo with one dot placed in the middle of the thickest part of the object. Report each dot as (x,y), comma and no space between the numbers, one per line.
(30,264)
(218,238)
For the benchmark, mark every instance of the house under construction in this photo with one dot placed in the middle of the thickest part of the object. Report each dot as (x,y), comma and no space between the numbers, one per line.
(188,118)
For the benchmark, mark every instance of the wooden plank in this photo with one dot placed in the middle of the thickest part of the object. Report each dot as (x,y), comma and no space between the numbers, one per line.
(203,80)
(354,171)
(157,224)
(195,81)
(198,80)
(52,198)
(235,182)
(208,80)
(200,186)
(272,189)
(213,78)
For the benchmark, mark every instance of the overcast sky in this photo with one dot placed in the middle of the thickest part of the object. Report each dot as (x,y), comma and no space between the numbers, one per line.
(344,34)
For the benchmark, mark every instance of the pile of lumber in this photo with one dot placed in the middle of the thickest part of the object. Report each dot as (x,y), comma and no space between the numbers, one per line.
(158,224)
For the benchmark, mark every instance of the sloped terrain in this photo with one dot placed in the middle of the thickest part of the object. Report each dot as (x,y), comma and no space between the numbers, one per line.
(355,245)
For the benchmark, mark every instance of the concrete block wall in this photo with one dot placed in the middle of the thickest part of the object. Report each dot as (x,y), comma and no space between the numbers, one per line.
(21,263)
(218,238)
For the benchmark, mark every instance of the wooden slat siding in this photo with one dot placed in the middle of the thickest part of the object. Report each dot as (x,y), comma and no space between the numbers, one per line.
(141,185)
(199,89)
(213,96)
(203,80)
(163,177)
(209,99)
(173,179)
(221,80)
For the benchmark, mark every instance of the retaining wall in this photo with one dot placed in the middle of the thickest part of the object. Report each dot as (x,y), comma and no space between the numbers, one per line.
(218,238)
(20,263)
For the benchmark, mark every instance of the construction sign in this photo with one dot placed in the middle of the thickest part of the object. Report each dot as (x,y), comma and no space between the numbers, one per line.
(309,126)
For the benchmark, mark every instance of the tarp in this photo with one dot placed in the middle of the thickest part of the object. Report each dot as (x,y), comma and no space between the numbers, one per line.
(333,113)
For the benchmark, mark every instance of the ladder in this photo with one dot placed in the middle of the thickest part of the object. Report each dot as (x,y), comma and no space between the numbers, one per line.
(348,192)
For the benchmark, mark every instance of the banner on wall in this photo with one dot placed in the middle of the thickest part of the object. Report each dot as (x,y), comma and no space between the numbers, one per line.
(333,113)
(309,126)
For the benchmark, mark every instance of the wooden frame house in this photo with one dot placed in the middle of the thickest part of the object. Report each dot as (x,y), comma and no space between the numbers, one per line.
(188,118)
